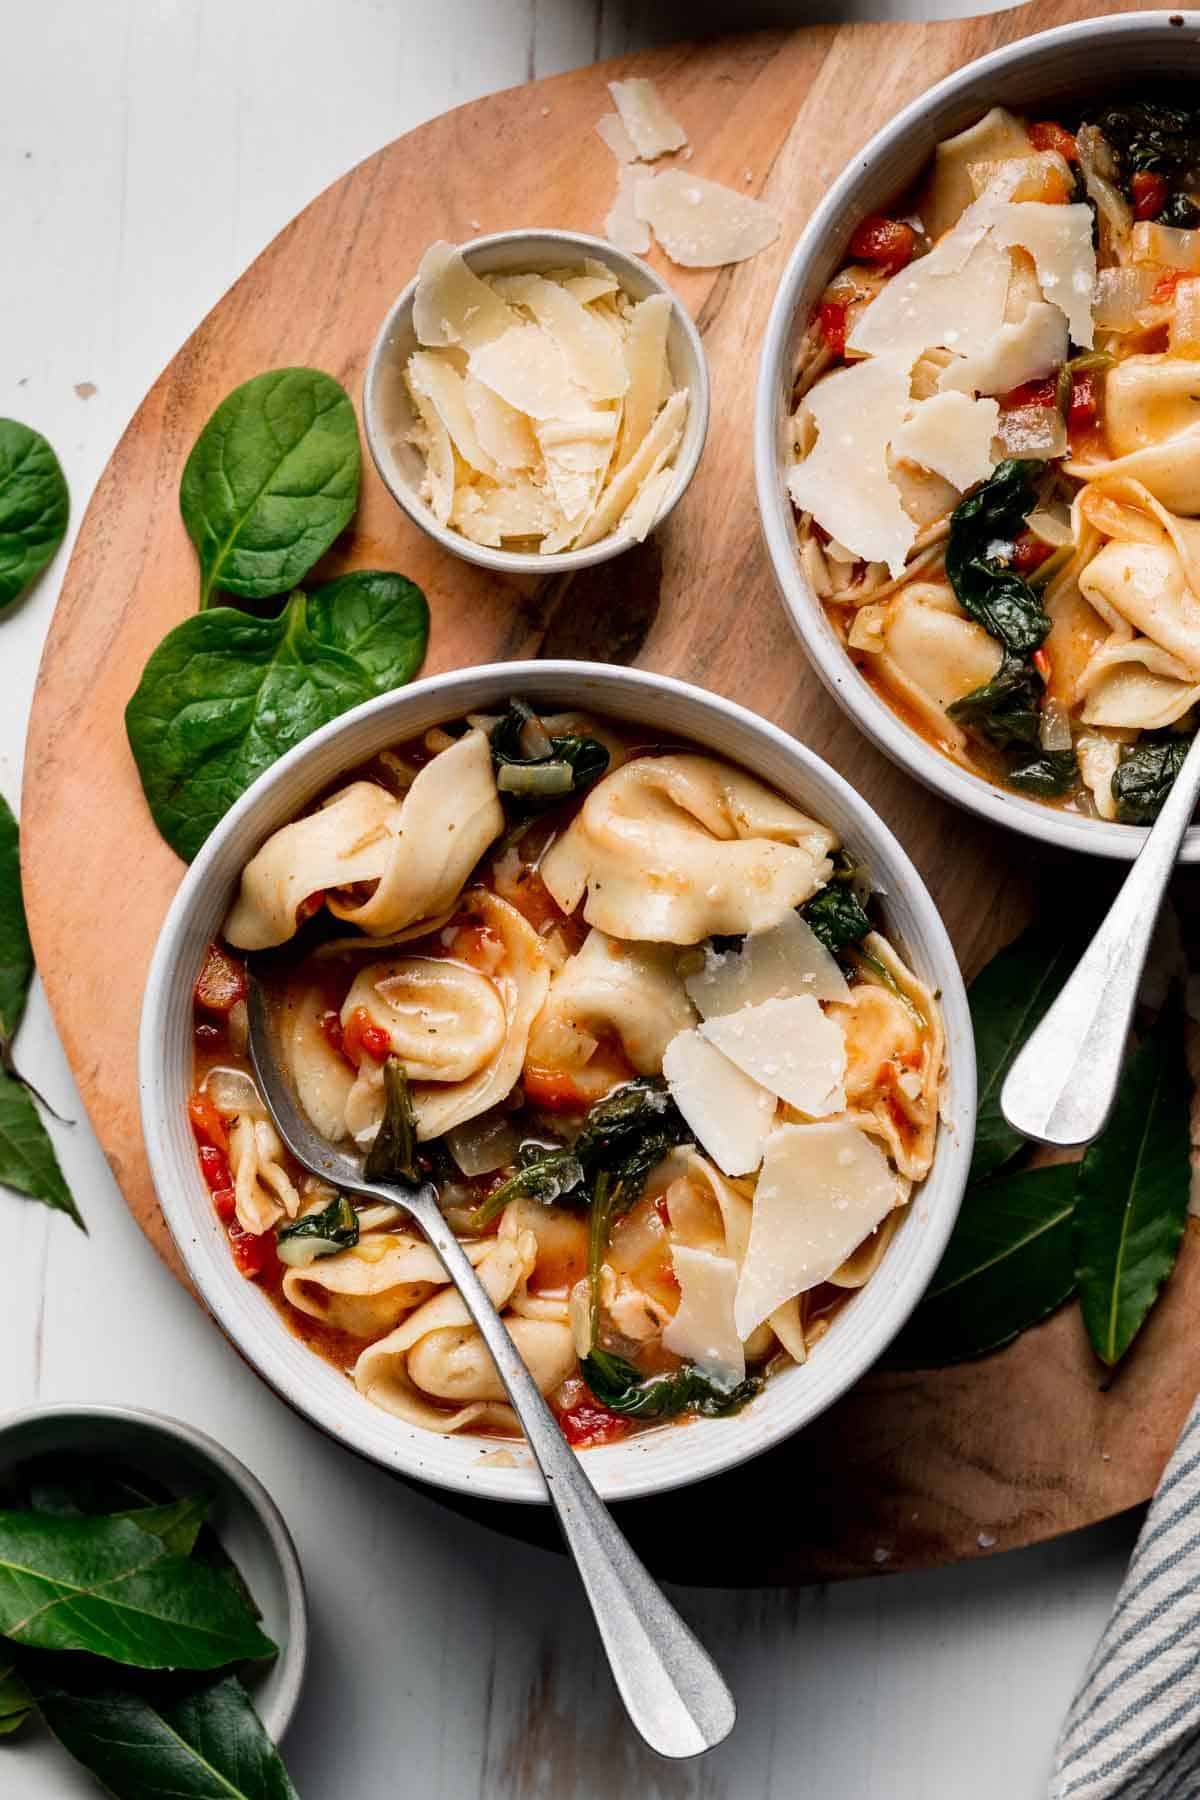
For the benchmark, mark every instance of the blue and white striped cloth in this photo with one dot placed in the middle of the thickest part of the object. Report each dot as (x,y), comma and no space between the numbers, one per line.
(1133,1731)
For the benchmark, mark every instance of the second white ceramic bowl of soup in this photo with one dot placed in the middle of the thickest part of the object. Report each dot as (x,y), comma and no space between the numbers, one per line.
(1055,69)
(647,1462)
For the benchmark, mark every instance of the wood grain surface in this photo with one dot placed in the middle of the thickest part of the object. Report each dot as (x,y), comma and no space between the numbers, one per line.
(909,1470)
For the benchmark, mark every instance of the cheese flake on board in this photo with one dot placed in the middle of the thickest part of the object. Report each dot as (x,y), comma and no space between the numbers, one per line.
(650,127)
(822,1190)
(843,481)
(452,305)
(703,1331)
(702,225)
(614,136)
(622,226)
(788,1047)
(781,964)
(1022,350)
(951,434)
(730,1114)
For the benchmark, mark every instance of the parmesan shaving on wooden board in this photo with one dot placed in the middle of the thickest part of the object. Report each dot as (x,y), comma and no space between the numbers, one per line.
(650,127)
(545,406)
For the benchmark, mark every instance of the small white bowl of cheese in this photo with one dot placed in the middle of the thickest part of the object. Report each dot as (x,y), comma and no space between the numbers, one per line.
(536,401)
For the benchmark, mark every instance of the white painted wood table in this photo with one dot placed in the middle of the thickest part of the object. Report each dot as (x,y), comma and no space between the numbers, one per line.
(148,150)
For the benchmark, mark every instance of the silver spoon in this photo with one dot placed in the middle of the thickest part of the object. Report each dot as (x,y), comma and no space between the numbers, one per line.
(1061,1088)
(672,1690)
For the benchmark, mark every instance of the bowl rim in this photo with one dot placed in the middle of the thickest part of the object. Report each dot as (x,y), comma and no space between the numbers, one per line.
(853,693)
(402,1449)
(292,1660)
(624,266)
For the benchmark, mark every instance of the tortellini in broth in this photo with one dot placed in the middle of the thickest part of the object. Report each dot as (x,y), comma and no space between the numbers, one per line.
(1043,278)
(486,963)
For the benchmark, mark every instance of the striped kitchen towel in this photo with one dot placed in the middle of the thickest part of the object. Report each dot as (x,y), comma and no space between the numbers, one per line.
(1133,1730)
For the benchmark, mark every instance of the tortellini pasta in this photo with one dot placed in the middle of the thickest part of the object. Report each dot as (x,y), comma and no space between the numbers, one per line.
(415,853)
(633,991)
(674,849)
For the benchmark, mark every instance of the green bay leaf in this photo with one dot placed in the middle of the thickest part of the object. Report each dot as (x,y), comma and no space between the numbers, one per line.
(207,1744)
(1008,1264)
(271,481)
(1007,999)
(27,1159)
(16,952)
(105,1586)
(220,699)
(176,1523)
(1134,1184)
(378,618)
(34,506)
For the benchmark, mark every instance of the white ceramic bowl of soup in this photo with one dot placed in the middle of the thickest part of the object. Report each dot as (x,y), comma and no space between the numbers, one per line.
(388,415)
(646,1462)
(1055,68)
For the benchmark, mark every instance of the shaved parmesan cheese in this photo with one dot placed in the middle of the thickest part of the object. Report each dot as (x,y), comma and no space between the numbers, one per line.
(623,227)
(1022,350)
(452,305)
(559,427)
(593,357)
(614,135)
(504,432)
(703,1331)
(790,1047)
(658,445)
(952,299)
(645,360)
(639,521)
(951,435)
(781,964)
(730,1114)
(701,224)
(1059,239)
(823,1189)
(526,367)
(844,480)
(443,386)
(650,126)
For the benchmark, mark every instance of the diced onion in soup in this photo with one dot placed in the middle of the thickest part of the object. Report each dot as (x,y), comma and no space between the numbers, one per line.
(1122,295)
(1033,431)
(1055,729)
(1169,245)
(233,1093)
(480,1145)
(1185,319)
(1052,524)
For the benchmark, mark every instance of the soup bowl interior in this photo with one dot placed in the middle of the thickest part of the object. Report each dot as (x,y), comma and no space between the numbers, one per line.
(646,1462)
(1054,69)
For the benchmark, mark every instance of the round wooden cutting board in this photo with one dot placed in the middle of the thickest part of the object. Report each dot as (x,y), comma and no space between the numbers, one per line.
(909,1470)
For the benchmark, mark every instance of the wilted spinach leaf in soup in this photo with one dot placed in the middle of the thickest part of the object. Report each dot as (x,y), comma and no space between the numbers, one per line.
(631,1010)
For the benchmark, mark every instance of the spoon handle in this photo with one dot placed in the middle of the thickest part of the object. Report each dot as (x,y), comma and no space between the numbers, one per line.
(672,1690)
(1060,1089)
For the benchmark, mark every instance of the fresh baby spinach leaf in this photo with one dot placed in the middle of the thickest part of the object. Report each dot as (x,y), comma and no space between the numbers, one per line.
(379,619)
(1009,1262)
(1132,1199)
(106,1586)
(206,1743)
(34,505)
(16,952)
(1007,999)
(271,481)
(623,1389)
(27,1159)
(225,694)
(1146,774)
